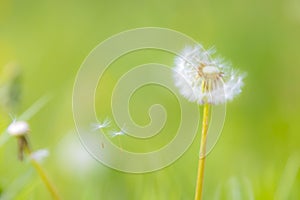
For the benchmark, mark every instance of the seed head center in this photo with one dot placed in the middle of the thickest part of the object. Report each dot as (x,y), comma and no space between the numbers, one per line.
(210,70)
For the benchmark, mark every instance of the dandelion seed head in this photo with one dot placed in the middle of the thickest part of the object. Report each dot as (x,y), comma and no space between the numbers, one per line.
(210,71)
(203,79)
(18,128)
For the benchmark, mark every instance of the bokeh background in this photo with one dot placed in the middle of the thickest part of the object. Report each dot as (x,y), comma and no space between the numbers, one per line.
(43,43)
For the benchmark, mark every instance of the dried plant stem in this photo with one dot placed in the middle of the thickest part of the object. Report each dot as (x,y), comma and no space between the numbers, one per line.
(43,175)
(201,164)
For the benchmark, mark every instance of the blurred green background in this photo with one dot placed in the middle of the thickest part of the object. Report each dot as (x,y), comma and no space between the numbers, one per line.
(258,154)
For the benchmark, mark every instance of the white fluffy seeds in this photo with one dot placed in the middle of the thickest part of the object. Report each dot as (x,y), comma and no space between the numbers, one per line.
(39,155)
(18,128)
(202,79)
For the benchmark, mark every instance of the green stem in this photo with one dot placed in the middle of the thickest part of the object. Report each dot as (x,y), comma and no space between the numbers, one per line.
(43,175)
(201,164)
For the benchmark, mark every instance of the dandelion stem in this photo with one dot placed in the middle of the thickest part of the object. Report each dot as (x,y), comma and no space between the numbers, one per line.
(201,164)
(43,175)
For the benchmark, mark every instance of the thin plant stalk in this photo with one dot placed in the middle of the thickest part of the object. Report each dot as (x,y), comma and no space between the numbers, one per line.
(43,175)
(201,163)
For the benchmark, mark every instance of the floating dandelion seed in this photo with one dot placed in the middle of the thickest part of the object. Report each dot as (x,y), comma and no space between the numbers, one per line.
(202,79)
(118,133)
(106,123)
(115,133)
(101,125)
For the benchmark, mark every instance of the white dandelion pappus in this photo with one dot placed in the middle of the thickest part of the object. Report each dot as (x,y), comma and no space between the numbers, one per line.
(101,125)
(106,123)
(39,155)
(18,128)
(203,79)
(117,133)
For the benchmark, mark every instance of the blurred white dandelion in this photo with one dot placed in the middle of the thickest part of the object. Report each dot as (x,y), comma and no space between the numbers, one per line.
(18,128)
(39,155)
(72,158)
(202,79)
